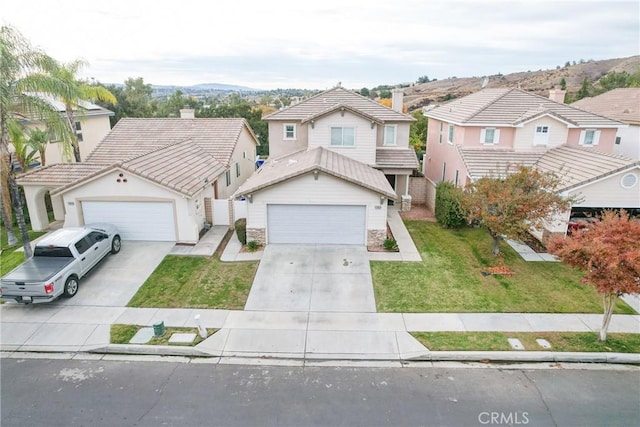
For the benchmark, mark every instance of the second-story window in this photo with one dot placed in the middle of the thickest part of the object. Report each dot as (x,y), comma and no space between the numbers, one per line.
(289,131)
(227,175)
(390,134)
(450,136)
(589,137)
(237,169)
(343,137)
(489,136)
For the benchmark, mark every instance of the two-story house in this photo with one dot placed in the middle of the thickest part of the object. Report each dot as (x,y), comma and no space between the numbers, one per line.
(337,159)
(485,132)
(155,179)
(91,125)
(622,104)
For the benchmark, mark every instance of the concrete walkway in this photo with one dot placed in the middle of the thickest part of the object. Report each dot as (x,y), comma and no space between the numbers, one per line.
(303,335)
(407,249)
(529,254)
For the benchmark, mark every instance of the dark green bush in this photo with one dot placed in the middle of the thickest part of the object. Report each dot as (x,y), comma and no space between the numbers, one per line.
(390,244)
(449,210)
(241,230)
(253,245)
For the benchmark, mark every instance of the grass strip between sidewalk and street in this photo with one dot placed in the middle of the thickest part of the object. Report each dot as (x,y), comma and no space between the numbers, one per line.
(449,279)
(560,341)
(197,282)
(122,334)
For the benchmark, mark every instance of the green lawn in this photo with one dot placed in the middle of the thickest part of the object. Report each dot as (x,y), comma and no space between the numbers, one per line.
(449,279)
(560,341)
(196,282)
(9,258)
(122,334)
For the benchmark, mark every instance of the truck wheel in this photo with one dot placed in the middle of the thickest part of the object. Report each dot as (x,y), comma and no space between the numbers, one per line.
(71,287)
(116,244)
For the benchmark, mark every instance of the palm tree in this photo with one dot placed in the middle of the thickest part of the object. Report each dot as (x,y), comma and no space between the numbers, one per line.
(81,90)
(38,140)
(23,75)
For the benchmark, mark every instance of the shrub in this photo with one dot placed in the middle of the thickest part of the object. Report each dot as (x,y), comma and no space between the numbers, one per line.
(241,230)
(253,245)
(449,210)
(390,244)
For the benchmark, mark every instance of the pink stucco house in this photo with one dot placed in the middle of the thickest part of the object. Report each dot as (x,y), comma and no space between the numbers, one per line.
(482,133)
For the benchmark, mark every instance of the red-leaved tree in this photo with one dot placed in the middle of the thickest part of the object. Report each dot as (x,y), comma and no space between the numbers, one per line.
(515,201)
(609,253)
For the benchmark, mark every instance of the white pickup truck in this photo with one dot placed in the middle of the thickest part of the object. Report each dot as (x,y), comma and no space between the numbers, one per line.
(59,261)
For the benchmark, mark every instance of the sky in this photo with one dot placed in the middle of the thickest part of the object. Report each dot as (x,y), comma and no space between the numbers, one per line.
(316,44)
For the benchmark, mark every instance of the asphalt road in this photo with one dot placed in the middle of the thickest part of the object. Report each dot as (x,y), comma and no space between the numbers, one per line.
(119,393)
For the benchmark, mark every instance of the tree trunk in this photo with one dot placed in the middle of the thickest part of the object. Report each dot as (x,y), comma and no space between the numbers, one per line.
(11,236)
(496,243)
(43,156)
(18,210)
(5,170)
(74,138)
(609,301)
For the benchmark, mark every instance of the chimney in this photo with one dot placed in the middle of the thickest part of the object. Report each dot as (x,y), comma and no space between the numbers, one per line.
(557,95)
(187,113)
(397,95)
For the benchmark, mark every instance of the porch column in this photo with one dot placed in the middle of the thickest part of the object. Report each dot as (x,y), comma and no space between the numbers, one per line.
(58,207)
(406,185)
(36,207)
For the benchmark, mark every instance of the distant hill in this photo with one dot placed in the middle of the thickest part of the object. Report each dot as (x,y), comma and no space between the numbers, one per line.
(208,87)
(539,82)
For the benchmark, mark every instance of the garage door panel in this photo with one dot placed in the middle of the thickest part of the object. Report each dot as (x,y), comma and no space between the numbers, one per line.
(152,221)
(316,224)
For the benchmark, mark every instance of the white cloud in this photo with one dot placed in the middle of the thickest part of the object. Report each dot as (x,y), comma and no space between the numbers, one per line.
(287,43)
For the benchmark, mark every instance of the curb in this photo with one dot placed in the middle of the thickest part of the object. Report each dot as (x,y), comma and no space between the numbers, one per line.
(150,350)
(529,356)
(432,356)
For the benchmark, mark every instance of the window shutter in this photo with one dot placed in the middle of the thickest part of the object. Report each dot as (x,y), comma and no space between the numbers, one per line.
(483,133)
(496,136)
(596,137)
(582,134)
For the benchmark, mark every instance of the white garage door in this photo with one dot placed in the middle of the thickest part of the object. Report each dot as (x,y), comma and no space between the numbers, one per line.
(317,224)
(135,220)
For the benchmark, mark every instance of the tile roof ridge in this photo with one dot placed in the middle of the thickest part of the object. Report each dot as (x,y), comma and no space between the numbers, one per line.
(556,103)
(490,102)
(589,151)
(301,102)
(157,149)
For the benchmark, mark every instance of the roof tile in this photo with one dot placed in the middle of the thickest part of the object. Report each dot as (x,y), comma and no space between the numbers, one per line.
(333,98)
(513,107)
(322,159)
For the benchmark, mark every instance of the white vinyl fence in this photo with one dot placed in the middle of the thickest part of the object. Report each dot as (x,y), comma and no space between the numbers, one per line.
(221,211)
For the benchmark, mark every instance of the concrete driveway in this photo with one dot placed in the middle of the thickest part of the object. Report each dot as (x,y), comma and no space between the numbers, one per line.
(312,278)
(118,277)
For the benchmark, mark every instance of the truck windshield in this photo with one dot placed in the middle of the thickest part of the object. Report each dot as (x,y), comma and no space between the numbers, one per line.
(62,252)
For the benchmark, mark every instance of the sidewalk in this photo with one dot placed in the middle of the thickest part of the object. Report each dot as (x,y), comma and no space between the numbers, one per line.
(298,335)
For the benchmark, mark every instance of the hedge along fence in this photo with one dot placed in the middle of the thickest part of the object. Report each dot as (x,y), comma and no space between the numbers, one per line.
(449,209)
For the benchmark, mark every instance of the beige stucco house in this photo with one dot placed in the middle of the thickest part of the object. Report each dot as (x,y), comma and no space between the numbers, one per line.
(91,125)
(484,133)
(155,179)
(337,160)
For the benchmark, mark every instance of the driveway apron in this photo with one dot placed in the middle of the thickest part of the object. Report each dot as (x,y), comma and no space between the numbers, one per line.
(316,278)
(118,277)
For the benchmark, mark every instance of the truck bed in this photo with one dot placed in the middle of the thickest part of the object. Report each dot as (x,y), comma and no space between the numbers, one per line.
(37,269)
